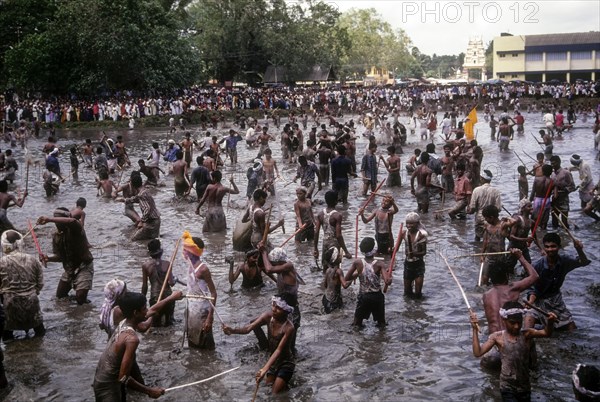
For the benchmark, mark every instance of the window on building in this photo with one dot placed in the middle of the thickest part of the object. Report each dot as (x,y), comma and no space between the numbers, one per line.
(533,57)
(502,55)
(514,76)
(515,55)
(587,55)
(501,76)
(474,61)
(556,56)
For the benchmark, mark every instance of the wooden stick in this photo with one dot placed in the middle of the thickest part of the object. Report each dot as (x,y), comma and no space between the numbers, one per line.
(267,224)
(480,274)
(373,193)
(464,295)
(208,298)
(27,178)
(300,229)
(570,222)
(199,297)
(520,158)
(256,390)
(536,308)
(164,285)
(542,208)
(30,229)
(396,247)
(37,244)
(201,381)
(482,254)
(562,224)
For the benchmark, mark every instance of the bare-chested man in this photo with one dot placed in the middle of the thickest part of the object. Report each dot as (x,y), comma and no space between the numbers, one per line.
(209,161)
(423,176)
(129,191)
(384,217)
(304,216)
(105,185)
(448,169)
(263,140)
(270,170)
(392,165)
(180,171)
(187,144)
(256,214)
(331,222)
(215,217)
(540,188)
(7,201)
(501,292)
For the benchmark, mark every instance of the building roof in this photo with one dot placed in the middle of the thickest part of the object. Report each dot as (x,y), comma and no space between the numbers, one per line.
(562,39)
(319,73)
(275,74)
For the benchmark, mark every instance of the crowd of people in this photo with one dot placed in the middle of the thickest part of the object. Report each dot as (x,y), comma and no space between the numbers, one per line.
(326,156)
(126,105)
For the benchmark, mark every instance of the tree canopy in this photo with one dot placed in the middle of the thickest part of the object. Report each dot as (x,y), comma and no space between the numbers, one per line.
(85,47)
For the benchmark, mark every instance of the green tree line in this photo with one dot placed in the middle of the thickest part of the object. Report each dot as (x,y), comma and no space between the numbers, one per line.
(91,47)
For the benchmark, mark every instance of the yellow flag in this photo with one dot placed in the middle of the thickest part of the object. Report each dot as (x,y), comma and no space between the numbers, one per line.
(470,124)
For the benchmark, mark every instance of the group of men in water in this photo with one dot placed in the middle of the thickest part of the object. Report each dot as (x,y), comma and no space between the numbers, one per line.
(325,157)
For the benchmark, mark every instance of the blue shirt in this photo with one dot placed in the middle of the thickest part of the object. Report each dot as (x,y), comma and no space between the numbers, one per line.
(551,279)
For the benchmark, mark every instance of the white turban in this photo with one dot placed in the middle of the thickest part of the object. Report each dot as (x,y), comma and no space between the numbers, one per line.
(7,246)
(112,290)
(279,302)
(278,255)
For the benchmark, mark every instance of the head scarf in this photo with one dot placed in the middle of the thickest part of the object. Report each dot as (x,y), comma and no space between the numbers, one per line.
(576,160)
(487,175)
(279,302)
(54,151)
(7,246)
(112,291)
(189,245)
(257,166)
(523,203)
(334,255)
(278,255)
(413,217)
(513,311)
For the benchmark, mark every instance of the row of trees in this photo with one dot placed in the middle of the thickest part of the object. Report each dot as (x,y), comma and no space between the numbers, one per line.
(88,47)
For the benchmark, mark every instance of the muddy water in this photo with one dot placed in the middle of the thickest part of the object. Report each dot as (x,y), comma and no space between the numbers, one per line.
(423,354)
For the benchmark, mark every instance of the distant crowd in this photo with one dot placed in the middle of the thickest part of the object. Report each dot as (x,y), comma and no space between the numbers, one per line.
(125,105)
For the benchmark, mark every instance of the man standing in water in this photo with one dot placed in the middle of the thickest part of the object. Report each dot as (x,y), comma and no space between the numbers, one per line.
(21,280)
(553,269)
(115,371)
(280,366)
(71,247)
(563,186)
(149,224)
(215,217)
(199,314)
(331,222)
(180,171)
(483,196)
(7,201)
(155,271)
(370,298)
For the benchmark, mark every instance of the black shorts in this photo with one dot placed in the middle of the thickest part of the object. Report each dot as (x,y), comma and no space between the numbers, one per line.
(414,270)
(384,242)
(370,303)
(284,371)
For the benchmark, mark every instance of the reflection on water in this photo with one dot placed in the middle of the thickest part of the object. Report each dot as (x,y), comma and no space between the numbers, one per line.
(423,354)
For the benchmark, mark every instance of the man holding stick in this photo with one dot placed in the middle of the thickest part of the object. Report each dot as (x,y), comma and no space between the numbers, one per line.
(501,292)
(331,221)
(156,270)
(281,365)
(116,369)
(553,269)
(199,313)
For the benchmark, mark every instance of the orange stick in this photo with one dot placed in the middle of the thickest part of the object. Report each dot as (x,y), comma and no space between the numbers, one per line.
(396,247)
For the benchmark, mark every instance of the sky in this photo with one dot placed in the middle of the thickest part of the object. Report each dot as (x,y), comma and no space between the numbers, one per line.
(444,27)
